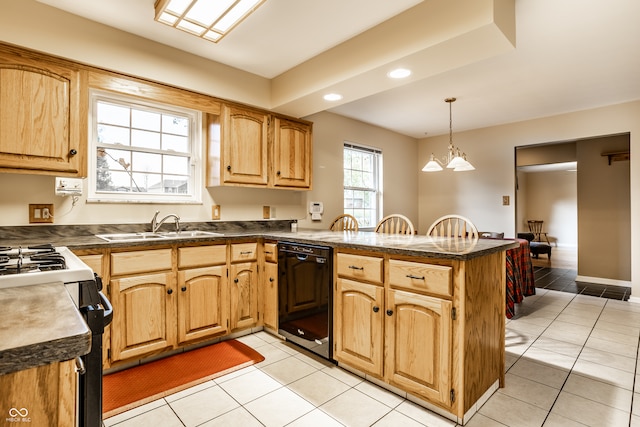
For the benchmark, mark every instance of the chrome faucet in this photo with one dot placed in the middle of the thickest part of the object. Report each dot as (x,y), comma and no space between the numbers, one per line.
(155,224)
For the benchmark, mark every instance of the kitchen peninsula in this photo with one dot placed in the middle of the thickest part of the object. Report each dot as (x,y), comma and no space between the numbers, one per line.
(430,311)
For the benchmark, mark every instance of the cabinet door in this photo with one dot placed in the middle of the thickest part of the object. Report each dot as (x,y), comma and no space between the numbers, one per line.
(39,116)
(359,319)
(418,345)
(291,154)
(142,307)
(243,295)
(202,303)
(270,287)
(244,146)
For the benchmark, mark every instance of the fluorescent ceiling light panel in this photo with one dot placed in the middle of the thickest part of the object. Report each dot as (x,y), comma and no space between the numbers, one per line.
(208,19)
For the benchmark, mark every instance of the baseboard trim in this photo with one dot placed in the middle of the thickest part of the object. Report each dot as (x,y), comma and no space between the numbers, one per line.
(603,281)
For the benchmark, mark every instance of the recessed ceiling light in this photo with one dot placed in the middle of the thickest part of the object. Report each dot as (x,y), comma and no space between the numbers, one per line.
(332,97)
(399,73)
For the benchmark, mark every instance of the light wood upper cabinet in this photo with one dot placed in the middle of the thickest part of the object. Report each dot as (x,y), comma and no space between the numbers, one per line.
(244,146)
(248,147)
(291,153)
(40,116)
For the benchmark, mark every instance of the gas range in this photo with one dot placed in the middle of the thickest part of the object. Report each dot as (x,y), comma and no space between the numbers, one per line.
(35,265)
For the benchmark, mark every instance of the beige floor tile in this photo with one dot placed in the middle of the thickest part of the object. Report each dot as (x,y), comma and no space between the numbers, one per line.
(235,374)
(191,390)
(538,372)
(513,412)
(288,370)
(395,419)
(599,391)
(549,358)
(239,417)
(342,375)
(380,394)
(246,388)
(589,412)
(628,350)
(624,334)
(569,332)
(555,420)
(203,406)
(279,408)
(635,421)
(603,373)
(610,359)
(561,347)
(161,416)
(134,412)
(353,408)
(272,353)
(422,415)
(315,418)
(319,387)
(479,420)
(532,392)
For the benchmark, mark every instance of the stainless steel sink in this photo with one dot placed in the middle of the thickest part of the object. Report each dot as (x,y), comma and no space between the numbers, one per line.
(130,237)
(189,233)
(137,237)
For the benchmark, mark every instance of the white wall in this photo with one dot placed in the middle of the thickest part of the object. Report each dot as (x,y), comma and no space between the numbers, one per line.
(553,197)
(477,194)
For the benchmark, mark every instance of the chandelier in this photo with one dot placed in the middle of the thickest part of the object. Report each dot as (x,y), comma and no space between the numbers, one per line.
(454,159)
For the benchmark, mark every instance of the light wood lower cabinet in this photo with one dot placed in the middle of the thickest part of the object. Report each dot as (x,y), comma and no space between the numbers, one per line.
(143,315)
(270,286)
(431,327)
(41,396)
(359,321)
(418,339)
(243,295)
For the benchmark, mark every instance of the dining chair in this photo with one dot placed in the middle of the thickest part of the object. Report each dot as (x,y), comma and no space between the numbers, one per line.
(535,226)
(453,226)
(395,224)
(344,222)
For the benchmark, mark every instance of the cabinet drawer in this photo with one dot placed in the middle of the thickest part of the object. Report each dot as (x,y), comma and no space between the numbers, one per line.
(243,252)
(416,276)
(360,268)
(200,256)
(271,252)
(140,261)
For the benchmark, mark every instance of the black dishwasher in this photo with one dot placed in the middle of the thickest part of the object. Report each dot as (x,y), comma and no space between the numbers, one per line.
(305,297)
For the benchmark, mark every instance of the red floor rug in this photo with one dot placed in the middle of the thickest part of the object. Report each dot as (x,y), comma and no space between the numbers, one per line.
(142,384)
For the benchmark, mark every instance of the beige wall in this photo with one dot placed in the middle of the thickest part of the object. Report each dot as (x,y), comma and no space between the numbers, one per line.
(478,194)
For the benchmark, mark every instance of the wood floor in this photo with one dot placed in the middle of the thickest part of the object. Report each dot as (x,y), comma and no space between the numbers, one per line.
(561,257)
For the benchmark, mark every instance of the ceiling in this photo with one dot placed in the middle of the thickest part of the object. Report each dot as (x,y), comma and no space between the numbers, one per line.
(548,57)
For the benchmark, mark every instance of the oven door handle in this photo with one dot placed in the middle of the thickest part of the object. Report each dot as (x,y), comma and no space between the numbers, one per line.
(108,308)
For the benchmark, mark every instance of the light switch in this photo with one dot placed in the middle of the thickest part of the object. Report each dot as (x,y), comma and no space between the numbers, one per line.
(505,200)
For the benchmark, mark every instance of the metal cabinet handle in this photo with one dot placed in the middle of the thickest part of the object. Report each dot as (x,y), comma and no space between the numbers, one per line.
(235,280)
(389,312)
(246,253)
(278,173)
(376,309)
(169,291)
(411,276)
(271,279)
(184,289)
(73,152)
(229,167)
(355,267)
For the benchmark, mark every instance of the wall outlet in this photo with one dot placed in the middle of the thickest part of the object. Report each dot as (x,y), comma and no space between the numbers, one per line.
(42,213)
(215,212)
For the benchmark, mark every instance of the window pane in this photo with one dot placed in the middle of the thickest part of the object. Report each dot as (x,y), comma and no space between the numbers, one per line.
(146,162)
(175,125)
(113,135)
(176,184)
(176,143)
(175,164)
(113,114)
(145,139)
(361,192)
(145,120)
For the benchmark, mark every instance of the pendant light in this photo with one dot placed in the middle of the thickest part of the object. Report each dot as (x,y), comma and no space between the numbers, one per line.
(454,159)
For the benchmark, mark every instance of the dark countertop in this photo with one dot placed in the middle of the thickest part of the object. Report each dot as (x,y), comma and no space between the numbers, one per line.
(39,324)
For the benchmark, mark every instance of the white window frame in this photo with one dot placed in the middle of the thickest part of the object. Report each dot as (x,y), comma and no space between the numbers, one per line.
(377,180)
(195,156)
